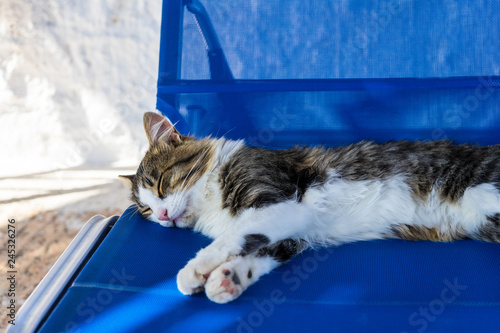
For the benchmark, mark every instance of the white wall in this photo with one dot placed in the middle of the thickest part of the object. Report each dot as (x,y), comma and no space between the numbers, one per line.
(75,77)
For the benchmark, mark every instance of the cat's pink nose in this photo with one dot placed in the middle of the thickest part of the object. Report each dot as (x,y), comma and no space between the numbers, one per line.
(163,215)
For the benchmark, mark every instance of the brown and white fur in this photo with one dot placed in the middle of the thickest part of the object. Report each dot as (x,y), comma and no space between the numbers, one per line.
(261,206)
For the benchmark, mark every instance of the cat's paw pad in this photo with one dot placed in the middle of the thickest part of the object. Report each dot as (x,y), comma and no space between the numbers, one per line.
(189,281)
(223,285)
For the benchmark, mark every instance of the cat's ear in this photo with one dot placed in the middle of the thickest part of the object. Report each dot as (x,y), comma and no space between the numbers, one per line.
(128,177)
(160,129)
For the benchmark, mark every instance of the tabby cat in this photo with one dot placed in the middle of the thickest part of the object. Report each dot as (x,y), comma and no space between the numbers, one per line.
(264,206)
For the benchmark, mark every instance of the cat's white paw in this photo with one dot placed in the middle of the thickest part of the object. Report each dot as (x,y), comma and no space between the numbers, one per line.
(228,281)
(223,286)
(193,276)
(189,281)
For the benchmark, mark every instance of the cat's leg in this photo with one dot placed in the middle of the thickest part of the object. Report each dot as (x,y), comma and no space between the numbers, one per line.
(255,229)
(234,276)
(230,279)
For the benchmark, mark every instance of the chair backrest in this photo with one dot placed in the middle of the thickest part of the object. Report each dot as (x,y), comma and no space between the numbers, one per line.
(279,73)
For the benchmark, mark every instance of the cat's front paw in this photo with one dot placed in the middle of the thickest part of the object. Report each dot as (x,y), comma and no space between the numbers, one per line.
(189,281)
(227,282)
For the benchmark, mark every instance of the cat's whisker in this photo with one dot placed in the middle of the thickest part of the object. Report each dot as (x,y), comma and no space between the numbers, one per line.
(197,171)
(201,155)
(135,211)
(190,181)
(187,176)
(200,166)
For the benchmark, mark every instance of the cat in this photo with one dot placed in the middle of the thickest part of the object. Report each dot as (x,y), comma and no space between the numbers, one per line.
(262,206)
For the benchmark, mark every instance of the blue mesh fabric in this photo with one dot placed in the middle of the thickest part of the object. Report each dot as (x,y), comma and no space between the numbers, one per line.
(321,39)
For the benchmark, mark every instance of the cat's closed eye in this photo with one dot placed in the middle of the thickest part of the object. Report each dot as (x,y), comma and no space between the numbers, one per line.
(161,194)
(148,181)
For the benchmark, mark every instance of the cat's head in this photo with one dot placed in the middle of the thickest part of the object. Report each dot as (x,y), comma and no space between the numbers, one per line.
(164,183)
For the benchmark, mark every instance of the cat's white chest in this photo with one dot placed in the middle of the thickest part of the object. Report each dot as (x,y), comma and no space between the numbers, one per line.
(207,202)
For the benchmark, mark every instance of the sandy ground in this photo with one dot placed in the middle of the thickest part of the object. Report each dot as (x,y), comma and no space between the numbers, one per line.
(49,209)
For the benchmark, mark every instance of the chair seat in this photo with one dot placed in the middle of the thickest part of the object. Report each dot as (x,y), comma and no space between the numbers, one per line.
(376,286)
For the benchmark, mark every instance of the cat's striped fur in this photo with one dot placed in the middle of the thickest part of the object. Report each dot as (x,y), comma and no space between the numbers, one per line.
(263,206)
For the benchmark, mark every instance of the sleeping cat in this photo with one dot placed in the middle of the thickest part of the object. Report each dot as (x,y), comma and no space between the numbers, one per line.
(264,206)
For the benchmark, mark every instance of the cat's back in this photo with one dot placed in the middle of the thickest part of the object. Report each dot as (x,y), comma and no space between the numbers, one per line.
(255,177)
(425,165)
